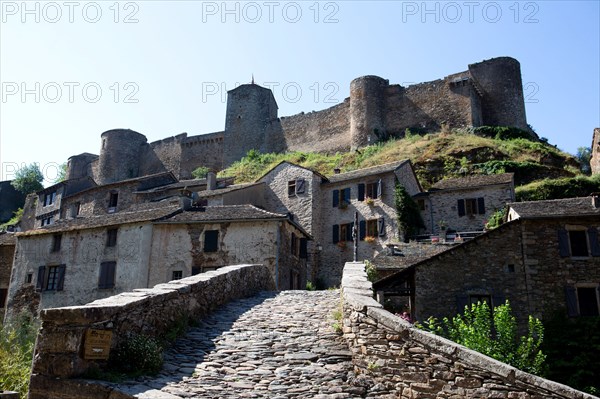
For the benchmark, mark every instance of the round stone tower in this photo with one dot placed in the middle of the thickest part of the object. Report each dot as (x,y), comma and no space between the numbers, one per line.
(120,155)
(502,102)
(80,166)
(367,110)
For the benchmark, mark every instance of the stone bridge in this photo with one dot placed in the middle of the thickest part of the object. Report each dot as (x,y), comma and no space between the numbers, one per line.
(252,342)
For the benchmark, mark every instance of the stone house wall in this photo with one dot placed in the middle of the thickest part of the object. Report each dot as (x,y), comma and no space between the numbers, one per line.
(59,346)
(7,251)
(411,363)
(443,205)
(333,256)
(53,209)
(82,252)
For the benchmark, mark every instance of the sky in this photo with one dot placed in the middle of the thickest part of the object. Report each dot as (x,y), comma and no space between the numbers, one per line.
(70,70)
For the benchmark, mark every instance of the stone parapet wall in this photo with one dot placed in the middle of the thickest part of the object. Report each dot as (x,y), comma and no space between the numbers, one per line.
(153,312)
(411,363)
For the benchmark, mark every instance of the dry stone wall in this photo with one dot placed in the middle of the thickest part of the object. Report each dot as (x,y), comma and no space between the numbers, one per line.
(412,363)
(59,348)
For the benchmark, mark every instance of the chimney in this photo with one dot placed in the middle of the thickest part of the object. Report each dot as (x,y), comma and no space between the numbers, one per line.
(185,199)
(595,201)
(337,171)
(211,181)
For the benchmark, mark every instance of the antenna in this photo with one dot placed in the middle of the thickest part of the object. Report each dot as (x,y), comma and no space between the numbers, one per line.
(252,78)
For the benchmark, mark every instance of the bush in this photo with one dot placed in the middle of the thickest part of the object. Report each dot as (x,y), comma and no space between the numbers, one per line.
(17,341)
(138,355)
(372,274)
(496,220)
(200,172)
(502,133)
(409,216)
(579,186)
(495,335)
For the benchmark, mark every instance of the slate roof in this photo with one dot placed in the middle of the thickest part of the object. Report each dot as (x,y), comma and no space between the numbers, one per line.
(189,183)
(374,170)
(223,213)
(7,239)
(473,181)
(145,182)
(581,206)
(228,189)
(293,164)
(383,261)
(111,219)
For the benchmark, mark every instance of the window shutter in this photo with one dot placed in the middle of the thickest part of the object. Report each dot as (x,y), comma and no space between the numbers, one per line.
(303,248)
(571,294)
(61,278)
(347,195)
(381,227)
(336,198)
(300,186)
(481,206)
(362,229)
(379,188)
(461,302)
(112,268)
(349,232)
(40,278)
(594,245)
(461,207)
(563,243)
(361,191)
(336,233)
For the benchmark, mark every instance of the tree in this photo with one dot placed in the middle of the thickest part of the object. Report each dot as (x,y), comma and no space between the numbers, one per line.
(494,334)
(200,172)
(62,173)
(409,216)
(583,156)
(28,179)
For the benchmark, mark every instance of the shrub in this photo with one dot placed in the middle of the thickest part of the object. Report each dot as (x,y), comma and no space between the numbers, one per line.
(496,220)
(502,132)
(409,216)
(372,274)
(200,172)
(580,186)
(17,341)
(138,355)
(495,335)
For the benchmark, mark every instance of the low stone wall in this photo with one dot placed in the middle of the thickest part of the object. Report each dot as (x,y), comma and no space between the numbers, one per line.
(59,352)
(394,356)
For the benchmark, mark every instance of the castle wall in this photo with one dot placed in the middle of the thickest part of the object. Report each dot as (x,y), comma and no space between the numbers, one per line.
(204,150)
(80,166)
(120,155)
(324,131)
(163,155)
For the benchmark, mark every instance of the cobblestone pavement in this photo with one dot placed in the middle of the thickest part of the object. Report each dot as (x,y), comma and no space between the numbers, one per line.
(273,345)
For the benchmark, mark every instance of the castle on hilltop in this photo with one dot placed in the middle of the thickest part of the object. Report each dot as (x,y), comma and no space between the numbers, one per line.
(487,93)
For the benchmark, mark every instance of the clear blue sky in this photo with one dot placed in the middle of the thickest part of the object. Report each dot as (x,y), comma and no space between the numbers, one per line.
(162,67)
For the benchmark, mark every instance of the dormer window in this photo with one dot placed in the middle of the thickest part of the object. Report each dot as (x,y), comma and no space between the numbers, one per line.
(49,198)
(112,201)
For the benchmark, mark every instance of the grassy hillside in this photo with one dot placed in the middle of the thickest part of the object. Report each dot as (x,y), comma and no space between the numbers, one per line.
(435,156)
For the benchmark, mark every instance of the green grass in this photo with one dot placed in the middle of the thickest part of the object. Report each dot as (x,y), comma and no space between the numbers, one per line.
(17,341)
(579,186)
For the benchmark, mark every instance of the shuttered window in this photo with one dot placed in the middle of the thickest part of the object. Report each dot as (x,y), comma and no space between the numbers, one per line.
(361,192)
(471,206)
(381,227)
(56,241)
(111,237)
(107,275)
(303,248)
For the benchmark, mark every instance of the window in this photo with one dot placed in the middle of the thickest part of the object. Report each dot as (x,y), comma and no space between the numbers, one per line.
(474,299)
(372,228)
(56,240)
(577,241)
(296,187)
(303,248)
(371,190)
(47,221)
(211,240)
(341,198)
(112,200)
(51,278)
(107,275)
(49,198)
(3,293)
(75,208)
(29,278)
(342,232)
(471,206)
(196,270)
(583,301)
(177,275)
(111,237)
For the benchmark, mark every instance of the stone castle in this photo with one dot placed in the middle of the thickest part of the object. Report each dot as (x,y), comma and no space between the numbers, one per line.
(487,93)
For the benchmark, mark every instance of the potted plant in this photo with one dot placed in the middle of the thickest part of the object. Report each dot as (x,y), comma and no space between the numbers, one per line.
(370,239)
(370,201)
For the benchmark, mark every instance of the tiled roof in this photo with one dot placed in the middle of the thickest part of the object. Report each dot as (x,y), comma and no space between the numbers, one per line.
(228,189)
(356,174)
(147,213)
(223,213)
(7,239)
(581,206)
(473,181)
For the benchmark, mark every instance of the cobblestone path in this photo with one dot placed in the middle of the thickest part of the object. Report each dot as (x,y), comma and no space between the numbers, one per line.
(273,345)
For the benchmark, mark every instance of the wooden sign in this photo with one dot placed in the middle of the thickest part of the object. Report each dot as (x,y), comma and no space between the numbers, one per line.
(97,344)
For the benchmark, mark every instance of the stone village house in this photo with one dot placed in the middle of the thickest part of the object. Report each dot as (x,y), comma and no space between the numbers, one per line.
(76,261)
(7,250)
(544,259)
